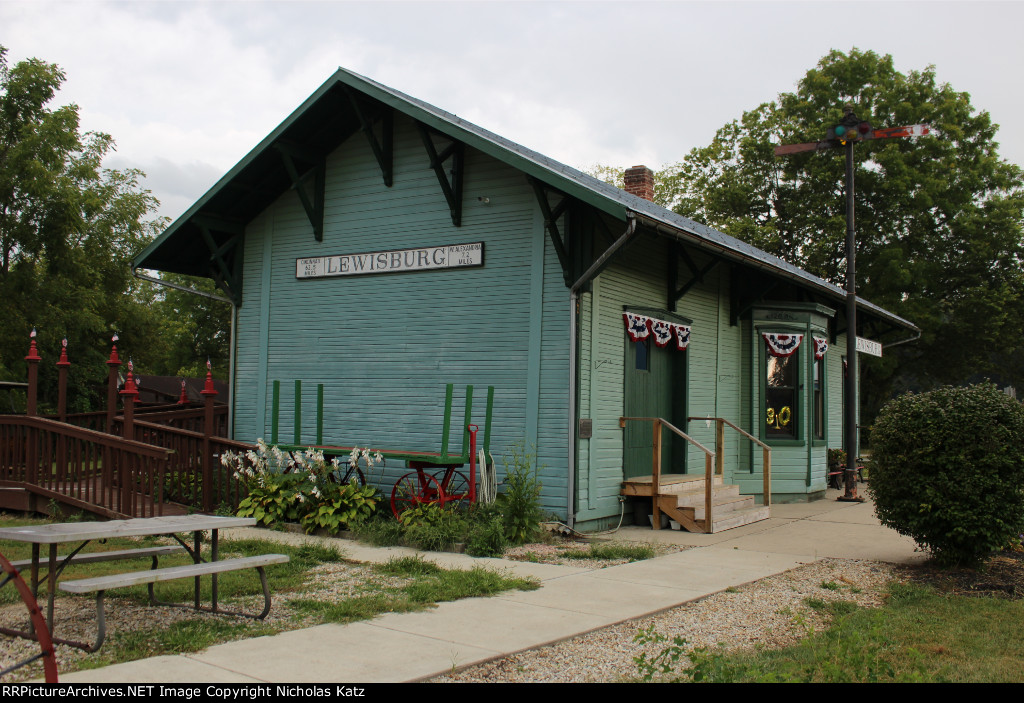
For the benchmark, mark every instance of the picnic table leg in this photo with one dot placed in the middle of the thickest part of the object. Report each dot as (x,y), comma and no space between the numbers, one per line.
(198,560)
(51,578)
(213,557)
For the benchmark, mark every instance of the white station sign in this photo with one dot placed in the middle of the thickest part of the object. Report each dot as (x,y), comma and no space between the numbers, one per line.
(869,346)
(392,261)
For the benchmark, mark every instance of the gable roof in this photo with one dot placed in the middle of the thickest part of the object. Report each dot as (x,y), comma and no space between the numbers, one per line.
(327,118)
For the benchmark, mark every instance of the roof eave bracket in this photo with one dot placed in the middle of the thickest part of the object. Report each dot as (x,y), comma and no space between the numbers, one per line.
(451,180)
(676,252)
(314,208)
(551,217)
(384,148)
(225,260)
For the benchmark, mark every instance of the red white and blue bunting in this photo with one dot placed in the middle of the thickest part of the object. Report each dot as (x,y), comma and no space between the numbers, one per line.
(782,344)
(820,347)
(640,327)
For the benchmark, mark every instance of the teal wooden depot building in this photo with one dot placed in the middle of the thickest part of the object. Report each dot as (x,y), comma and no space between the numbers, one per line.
(385,248)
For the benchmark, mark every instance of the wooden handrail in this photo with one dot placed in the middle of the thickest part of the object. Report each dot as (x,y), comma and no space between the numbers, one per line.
(766,461)
(709,459)
(76,432)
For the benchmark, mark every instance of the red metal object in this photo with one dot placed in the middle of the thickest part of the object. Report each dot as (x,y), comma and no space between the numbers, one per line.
(183,398)
(473,429)
(413,489)
(914,130)
(39,628)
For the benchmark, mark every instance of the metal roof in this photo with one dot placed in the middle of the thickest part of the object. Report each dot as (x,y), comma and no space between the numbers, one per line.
(326,119)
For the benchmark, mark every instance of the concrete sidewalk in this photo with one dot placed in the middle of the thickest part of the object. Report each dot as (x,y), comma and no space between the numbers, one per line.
(571,601)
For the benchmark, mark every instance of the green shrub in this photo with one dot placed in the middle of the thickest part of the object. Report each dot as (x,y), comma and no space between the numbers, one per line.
(520,502)
(948,470)
(273,499)
(432,528)
(339,505)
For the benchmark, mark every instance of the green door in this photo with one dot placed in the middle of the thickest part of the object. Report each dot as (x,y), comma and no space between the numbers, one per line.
(653,388)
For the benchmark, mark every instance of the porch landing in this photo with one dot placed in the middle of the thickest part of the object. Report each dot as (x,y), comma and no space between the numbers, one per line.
(683,498)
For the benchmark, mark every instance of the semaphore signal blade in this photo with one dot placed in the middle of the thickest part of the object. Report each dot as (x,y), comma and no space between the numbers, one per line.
(914,130)
(784,149)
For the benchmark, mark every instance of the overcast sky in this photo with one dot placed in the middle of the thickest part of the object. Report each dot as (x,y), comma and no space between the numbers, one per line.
(188,88)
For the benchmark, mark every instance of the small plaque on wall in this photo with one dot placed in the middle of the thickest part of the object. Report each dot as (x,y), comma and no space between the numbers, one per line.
(586,428)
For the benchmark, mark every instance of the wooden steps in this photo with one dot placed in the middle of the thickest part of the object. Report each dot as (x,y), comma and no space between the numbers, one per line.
(682,498)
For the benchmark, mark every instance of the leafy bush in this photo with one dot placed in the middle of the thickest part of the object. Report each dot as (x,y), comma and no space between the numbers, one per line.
(948,470)
(520,502)
(339,505)
(273,499)
(430,527)
(486,537)
(301,487)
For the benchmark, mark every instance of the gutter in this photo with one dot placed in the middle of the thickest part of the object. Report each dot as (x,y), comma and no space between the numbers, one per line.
(231,350)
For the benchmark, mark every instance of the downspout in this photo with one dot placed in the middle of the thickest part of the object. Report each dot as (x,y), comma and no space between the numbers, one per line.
(574,297)
(231,351)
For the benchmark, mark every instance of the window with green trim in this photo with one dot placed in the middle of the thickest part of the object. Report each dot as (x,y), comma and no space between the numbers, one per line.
(818,398)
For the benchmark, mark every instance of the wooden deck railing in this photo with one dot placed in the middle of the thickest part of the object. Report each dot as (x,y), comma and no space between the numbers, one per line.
(191,417)
(101,472)
(709,460)
(195,476)
(766,463)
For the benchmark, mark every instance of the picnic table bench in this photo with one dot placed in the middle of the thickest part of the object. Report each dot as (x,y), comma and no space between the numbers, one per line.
(86,532)
(101,584)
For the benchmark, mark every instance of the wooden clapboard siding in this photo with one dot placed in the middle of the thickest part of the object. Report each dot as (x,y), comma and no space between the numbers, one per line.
(385,345)
(637,278)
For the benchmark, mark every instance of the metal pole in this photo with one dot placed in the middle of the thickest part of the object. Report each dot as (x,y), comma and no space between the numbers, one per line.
(851,335)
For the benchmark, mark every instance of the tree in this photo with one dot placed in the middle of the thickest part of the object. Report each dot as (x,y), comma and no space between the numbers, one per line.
(939,218)
(68,229)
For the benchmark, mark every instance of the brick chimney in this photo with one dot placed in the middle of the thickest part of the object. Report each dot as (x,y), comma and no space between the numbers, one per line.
(640,182)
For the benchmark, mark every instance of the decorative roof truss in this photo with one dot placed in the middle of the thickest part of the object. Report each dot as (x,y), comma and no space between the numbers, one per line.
(225,262)
(450,180)
(314,206)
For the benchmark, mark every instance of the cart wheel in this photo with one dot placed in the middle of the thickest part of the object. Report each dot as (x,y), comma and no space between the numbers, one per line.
(457,487)
(46,652)
(415,488)
(352,472)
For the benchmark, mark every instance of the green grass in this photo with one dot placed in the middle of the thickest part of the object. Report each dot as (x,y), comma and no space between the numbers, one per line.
(422,584)
(918,635)
(612,550)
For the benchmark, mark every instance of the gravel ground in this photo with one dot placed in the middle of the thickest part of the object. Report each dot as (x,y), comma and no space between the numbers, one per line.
(76,616)
(771,612)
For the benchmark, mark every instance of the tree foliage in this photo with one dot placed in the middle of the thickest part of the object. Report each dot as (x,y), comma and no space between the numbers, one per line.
(68,230)
(938,218)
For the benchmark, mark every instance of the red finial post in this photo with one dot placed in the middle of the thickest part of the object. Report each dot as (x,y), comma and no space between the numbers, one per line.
(183,399)
(62,381)
(208,393)
(130,395)
(33,360)
(114,366)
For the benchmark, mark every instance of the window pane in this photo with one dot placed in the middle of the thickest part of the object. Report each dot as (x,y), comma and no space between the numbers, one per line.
(643,353)
(819,399)
(780,412)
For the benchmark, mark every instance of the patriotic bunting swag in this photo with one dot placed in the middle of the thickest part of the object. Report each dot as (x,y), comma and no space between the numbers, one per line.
(640,326)
(782,344)
(820,347)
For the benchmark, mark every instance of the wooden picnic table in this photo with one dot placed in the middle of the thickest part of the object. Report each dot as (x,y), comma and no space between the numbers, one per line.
(84,533)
